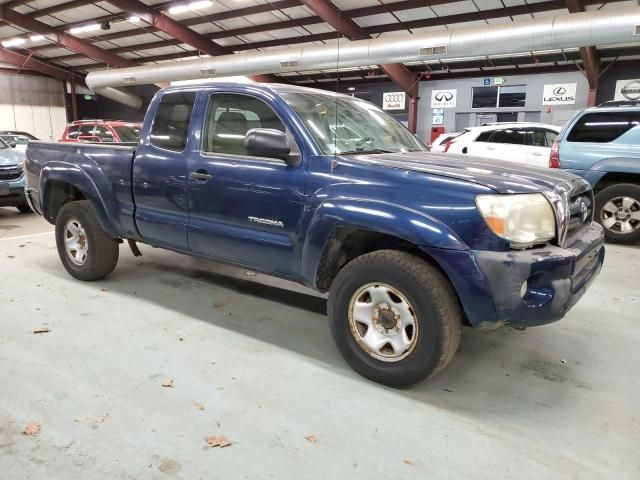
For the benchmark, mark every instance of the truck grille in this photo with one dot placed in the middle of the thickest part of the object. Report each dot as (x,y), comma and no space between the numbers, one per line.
(580,215)
(10,173)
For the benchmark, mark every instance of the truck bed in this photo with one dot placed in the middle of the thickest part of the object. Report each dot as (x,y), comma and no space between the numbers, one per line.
(96,167)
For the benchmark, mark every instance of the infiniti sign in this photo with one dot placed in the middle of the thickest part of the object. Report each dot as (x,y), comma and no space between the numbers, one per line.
(443,98)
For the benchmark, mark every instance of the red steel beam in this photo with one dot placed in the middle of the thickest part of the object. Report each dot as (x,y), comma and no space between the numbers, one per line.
(176,30)
(589,56)
(397,72)
(69,41)
(29,62)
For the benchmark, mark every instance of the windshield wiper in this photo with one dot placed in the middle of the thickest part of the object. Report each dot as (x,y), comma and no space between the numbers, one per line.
(360,151)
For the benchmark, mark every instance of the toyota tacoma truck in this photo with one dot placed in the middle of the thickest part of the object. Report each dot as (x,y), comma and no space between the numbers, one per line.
(409,245)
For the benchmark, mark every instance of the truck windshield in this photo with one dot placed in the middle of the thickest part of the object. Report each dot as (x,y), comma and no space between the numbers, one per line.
(347,125)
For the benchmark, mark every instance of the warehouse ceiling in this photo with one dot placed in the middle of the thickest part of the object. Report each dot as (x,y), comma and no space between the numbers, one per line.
(82,36)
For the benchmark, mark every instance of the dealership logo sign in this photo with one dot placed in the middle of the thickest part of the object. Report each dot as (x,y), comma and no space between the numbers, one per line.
(627,90)
(559,94)
(443,98)
(631,91)
(394,100)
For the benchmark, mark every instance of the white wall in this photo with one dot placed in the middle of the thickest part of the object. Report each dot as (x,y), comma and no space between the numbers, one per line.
(32,104)
(533,104)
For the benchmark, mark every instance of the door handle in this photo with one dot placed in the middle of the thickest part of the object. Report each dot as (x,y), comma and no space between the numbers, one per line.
(536,154)
(200,175)
(491,148)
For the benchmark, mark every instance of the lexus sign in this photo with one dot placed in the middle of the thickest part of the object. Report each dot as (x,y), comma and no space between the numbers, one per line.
(394,100)
(559,94)
(443,98)
(627,90)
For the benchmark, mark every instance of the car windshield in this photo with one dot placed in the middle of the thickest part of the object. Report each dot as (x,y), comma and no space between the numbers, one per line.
(346,125)
(128,133)
(17,139)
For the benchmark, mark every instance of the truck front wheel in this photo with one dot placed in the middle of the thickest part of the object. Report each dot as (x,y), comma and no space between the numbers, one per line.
(395,318)
(86,251)
(618,211)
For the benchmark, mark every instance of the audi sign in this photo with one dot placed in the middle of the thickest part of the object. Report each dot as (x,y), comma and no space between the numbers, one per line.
(394,100)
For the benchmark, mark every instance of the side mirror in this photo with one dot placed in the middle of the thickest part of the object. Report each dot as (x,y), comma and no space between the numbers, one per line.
(12,144)
(271,143)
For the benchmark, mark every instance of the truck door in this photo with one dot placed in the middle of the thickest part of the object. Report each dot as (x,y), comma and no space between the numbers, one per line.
(245,209)
(160,173)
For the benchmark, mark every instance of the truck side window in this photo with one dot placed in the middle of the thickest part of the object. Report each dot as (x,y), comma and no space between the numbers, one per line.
(170,128)
(104,134)
(72,132)
(230,117)
(603,127)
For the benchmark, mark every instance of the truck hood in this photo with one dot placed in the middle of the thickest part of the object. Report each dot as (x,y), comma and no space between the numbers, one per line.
(499,175)
(10,156)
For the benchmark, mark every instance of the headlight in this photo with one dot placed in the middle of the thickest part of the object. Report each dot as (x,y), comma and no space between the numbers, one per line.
(522,219)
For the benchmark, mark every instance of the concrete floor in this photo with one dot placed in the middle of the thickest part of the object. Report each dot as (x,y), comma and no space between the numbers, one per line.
(554,402)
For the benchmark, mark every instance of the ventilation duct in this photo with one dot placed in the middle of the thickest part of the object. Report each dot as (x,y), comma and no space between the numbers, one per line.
(562,31)
(121,96)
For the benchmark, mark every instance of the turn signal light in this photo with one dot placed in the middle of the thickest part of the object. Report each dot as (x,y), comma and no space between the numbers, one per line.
(554,156)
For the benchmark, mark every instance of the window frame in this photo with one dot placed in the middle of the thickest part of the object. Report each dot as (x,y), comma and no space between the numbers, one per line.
(581,122)
(517,130)
(497,105)
(293,143)
(155,117)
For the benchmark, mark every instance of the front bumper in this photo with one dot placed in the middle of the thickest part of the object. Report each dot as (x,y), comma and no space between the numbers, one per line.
(14,195)
(524,288)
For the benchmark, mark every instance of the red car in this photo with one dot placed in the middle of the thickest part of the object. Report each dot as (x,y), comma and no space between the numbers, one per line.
(102,131)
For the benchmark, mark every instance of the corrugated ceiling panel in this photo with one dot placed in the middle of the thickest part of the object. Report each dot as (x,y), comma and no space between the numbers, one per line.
(380,19)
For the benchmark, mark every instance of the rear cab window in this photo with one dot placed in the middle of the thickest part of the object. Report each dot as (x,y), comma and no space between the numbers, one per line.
(603,127)
(170,128)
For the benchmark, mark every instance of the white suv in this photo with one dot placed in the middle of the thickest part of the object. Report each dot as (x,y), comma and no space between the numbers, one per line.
(522,142)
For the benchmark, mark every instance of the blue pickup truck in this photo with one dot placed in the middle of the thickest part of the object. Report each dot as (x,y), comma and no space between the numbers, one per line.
(410,245)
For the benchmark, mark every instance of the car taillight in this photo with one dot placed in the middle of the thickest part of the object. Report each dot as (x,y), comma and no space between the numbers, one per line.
(554,156)
(447,145)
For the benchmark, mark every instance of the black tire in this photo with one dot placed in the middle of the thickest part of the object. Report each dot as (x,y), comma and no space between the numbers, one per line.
(435,306)
(609,194)
(24,208)
(102,250)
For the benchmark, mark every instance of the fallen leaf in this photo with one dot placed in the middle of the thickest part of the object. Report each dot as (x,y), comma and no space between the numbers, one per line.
(217,441)
(168,383)
(104,289)
(40,330)
(311,438)
(31,428)
(409,462)
(11,256)
(563,361)
(199,406)
(220,304)
(80,419)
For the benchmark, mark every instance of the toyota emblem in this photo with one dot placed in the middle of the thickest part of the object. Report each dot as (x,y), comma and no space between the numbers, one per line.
(584,211)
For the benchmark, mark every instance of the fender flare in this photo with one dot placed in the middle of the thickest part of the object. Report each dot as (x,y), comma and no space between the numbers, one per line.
(79,178)
(333,215)
(611,165)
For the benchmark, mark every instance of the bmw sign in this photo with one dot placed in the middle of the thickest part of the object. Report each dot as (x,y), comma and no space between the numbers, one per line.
(394,100)
(443,98)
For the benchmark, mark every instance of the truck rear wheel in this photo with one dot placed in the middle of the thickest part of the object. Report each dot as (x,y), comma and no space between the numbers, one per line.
(86,251)
(395,318)
(618,211)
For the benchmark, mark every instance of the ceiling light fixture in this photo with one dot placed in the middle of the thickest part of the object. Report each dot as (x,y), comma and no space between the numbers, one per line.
(190,6)
(134,19)
(13,42)
(36,38)
(85,28)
